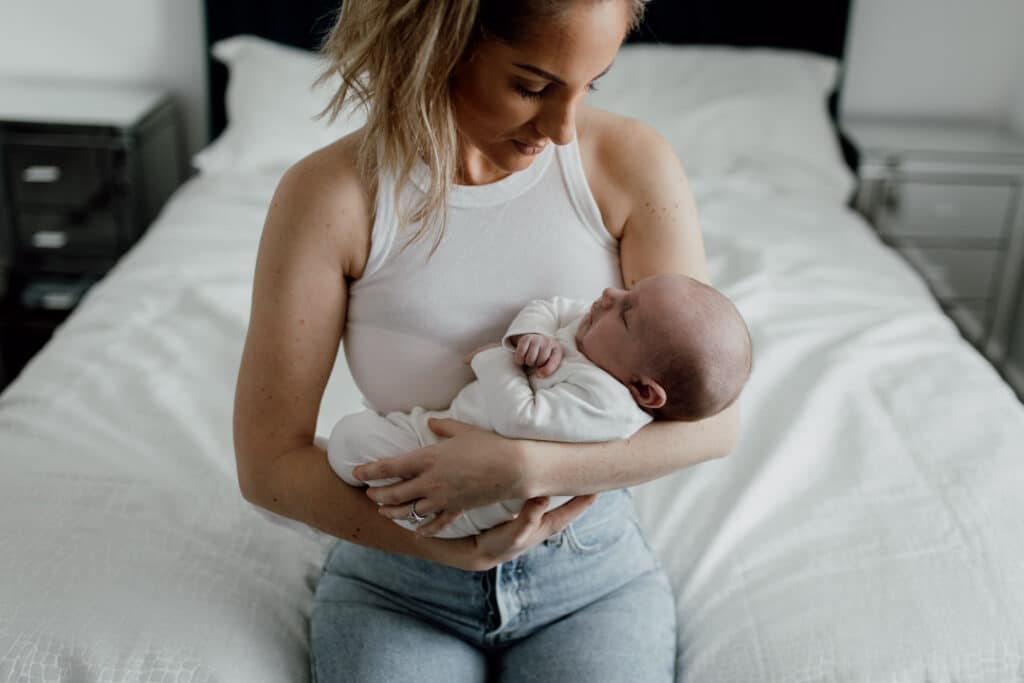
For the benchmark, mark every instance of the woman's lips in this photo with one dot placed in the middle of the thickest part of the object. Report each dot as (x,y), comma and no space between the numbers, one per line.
(529,149)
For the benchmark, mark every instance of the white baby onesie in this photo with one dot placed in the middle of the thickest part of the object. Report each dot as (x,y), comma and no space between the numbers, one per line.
(579,402)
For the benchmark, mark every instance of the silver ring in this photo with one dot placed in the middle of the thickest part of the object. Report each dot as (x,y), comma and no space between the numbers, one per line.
(413,516)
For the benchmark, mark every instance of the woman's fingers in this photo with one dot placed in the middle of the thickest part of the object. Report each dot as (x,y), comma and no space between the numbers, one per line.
(438,524)
(399,467)
(556,520)
(402,493)
(533,509)
(448,428)
(424,507)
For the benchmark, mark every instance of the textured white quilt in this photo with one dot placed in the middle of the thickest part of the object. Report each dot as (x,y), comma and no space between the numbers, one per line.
(867,528)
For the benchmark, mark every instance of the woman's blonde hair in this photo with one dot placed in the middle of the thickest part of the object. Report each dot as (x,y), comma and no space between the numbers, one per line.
(395,58)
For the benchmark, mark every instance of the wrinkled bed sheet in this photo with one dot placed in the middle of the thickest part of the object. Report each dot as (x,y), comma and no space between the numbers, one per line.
(867,528)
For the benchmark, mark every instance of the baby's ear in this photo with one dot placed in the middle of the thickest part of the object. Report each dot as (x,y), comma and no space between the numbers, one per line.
(648,393)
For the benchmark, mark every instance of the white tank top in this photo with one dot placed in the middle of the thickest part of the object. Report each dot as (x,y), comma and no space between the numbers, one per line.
(534,234)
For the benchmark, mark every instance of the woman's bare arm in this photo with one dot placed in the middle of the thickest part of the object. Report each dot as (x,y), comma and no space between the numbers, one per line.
(311,244)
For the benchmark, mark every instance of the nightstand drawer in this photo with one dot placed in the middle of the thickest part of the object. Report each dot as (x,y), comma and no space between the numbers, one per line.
(955,273)
(53,232)
(944,210)
(58,176)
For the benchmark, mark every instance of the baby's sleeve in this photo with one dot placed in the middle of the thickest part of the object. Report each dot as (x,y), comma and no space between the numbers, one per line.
(588,405)
(544,316)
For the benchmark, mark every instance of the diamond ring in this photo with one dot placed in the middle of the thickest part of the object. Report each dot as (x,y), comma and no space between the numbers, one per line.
(413,516)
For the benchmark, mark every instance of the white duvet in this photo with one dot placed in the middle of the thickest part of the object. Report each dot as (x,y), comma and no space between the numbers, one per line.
(867,528)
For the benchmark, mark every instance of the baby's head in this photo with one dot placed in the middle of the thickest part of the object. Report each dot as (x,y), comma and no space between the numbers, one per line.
(680,346)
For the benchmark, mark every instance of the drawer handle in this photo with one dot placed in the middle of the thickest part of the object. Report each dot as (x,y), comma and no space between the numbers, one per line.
(945,210)
(58,301)
(49,239)
(41,174)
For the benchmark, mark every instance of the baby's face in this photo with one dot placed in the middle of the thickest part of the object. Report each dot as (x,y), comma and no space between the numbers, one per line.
(611,334)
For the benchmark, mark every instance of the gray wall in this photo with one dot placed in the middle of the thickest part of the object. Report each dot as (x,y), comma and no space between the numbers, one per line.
(920,57)
(938,58)
(121,41)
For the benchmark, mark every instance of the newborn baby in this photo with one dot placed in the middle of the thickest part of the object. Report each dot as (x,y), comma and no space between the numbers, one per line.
(671,348)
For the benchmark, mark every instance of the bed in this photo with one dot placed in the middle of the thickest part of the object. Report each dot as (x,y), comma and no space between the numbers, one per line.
(866,528)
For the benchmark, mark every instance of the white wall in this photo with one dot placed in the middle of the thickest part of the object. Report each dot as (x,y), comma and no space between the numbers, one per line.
(122,41)
(949,58)
(939,58)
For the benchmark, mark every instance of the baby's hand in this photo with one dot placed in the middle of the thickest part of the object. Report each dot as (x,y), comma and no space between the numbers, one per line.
(539,351)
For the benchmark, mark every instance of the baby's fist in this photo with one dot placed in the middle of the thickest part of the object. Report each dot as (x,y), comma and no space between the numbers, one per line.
(539,351)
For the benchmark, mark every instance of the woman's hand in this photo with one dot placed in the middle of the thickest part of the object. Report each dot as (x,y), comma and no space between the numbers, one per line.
(510,540)
(470,468)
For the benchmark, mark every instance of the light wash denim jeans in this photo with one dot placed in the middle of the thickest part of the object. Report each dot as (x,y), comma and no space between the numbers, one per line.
(590,604)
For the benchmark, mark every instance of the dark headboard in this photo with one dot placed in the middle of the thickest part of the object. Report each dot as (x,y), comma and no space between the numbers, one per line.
(809,25)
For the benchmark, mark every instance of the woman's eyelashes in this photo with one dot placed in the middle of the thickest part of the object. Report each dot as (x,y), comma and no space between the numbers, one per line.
(528,94)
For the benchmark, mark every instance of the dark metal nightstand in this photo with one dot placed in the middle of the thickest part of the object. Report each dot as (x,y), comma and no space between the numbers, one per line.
(84,169)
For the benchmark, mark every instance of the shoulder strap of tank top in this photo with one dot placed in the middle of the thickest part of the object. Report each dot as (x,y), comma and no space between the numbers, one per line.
(385,225)
(582,198)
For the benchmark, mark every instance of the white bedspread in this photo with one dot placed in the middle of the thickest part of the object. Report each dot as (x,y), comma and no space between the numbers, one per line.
(867,528)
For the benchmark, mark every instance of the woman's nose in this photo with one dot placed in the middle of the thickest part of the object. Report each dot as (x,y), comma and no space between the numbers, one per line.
(559,123)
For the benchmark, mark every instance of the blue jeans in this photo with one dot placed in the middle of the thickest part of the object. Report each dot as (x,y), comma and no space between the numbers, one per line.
(589,604)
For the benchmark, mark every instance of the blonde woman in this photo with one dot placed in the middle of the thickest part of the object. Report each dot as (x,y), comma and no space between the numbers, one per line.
(481,180)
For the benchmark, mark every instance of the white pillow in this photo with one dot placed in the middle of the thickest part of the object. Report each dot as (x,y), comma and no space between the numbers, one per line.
(270,104)
(754,113)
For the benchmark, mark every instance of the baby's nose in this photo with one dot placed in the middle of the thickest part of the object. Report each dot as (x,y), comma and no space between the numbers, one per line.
(609,296)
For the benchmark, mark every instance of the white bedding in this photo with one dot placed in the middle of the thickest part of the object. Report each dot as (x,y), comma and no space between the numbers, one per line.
(867,527)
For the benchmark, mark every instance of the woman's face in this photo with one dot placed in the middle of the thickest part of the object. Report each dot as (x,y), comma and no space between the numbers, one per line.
(513,100)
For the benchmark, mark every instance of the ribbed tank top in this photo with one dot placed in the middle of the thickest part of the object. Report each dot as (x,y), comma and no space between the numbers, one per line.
(534,234)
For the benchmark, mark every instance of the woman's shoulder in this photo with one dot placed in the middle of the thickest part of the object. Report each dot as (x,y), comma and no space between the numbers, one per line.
(325,194)
(620,156)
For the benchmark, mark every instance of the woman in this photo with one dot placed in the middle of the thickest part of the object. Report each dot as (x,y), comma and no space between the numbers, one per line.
(484,180)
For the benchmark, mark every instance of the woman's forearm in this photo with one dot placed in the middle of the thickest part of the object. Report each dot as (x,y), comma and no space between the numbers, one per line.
(554,468)
(301,485)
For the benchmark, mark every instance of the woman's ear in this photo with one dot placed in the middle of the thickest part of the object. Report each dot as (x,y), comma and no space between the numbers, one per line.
(648,393)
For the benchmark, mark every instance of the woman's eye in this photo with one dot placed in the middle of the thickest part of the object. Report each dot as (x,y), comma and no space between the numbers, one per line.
(537,94)
(530,94)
